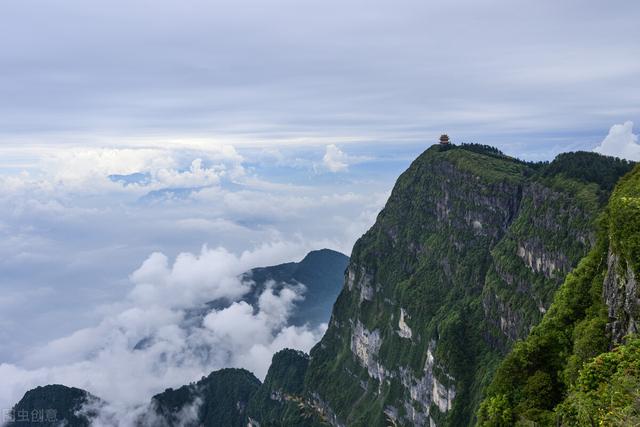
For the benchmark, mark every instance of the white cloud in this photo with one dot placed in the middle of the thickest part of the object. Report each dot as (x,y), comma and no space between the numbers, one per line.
(192,279)
(335,160)
(73,167)
(107,361)
(89,170)
(253,337)
(620,142)
(197,278)
(195,176)
(67,227)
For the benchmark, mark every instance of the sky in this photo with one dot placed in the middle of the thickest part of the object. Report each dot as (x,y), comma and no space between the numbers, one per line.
(534,78)
(152,151)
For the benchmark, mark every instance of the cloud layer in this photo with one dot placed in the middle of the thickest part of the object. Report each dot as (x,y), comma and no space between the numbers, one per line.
(204,73)
(78,222)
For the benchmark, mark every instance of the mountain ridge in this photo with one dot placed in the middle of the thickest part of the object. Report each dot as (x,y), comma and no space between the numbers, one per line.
(463,261)
(583,357)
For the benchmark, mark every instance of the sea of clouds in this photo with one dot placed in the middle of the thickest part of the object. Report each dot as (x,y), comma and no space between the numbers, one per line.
(107,251)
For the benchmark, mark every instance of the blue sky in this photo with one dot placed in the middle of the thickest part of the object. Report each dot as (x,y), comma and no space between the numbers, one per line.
(140,137)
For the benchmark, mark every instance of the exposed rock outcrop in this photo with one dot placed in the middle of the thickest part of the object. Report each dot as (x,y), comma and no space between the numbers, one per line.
(621,293)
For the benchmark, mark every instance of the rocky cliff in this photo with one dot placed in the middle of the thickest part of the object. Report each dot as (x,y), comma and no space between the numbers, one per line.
(581,364)
(463,260)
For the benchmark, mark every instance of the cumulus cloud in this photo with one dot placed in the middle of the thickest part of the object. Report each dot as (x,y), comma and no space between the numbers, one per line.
(154,339)
(334,159)
(193,278)
(620,142)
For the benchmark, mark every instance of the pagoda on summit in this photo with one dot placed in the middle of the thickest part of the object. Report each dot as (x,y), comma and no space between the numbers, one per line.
(444,139)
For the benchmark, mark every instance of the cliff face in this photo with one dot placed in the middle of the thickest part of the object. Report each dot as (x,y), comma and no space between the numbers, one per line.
(553,230)
(620,288)
(463,260)
(581,365)
(622,297)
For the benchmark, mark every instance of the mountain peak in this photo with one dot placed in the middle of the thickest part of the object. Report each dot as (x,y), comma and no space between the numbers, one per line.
(51,405)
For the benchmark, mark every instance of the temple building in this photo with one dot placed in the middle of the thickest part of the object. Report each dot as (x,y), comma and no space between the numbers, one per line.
(444,139)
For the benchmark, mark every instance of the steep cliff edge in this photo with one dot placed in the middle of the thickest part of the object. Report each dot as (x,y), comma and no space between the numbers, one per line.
(463,260)
(572,369)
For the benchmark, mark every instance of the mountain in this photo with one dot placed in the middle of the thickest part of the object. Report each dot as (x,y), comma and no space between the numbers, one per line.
(225,398)
(463,260)
(51,405)
(581,364)
(219,399)
(234,397)
(279,400)
(322,274)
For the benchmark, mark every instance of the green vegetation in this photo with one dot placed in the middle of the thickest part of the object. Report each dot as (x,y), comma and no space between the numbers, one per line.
(472,245)
(219,399)
(280,400)
(487,150)
(53,405)
(532,378)
(625,219)
(492,166)
(589,167)
(607,392)
(552,376)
